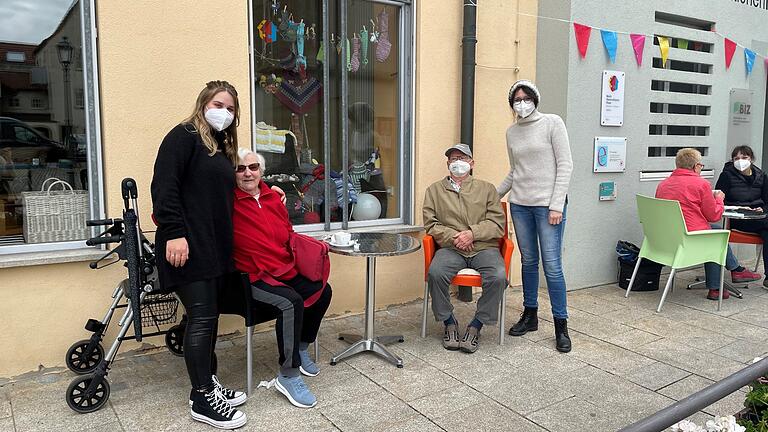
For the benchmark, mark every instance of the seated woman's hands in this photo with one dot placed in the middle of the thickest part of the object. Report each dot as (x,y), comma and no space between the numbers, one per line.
(279,192)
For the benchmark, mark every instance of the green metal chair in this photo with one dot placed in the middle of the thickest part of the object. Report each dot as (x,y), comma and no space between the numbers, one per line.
(668,242)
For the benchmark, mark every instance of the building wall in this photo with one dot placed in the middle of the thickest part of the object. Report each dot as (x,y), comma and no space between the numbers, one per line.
(598,225)
(154,59)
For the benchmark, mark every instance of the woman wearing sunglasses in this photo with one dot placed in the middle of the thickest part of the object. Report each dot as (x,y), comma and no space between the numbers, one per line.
(262,232)
(192,204)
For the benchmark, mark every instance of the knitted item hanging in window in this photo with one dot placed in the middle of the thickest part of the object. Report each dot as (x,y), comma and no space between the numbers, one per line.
(300,97)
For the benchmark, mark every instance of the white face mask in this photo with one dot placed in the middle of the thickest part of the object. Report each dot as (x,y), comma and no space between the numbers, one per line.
(741,164)
(523,108)
(459,168)
(219,118)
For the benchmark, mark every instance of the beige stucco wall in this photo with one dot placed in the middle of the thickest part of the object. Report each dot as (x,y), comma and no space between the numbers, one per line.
(154,59)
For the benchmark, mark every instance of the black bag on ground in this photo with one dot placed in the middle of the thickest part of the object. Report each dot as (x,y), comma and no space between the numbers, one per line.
(648,274)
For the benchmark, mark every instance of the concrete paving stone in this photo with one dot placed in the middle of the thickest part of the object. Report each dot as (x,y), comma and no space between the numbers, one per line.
(110,427)
(594,325)
(656,375)
(486,417)
(413,383)
(340,383)
(605,356)
(431,351)
(483,375)
(756,317)
(517,350)
(628,315)
(42,407)
(525,394)
(448,400)
(683,333)
(743,351)
(546,330)
(416,423)
(583,300)
(575,414)
(632,338)
(694,360)
(367,412)
(5,405)
(730,404)
(6,424)
(270,411)
(729,327)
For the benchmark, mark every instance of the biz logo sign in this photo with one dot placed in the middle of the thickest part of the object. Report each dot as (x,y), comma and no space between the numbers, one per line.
(741,108)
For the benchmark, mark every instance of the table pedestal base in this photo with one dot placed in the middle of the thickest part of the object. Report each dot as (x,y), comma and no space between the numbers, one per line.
(377,347)
(726,286)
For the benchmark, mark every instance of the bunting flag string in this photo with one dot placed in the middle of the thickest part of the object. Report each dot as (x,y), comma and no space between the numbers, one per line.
(583,31)
(730,48)
(582,37)
(749,60)
(638,44)
(664,49)
(610,42)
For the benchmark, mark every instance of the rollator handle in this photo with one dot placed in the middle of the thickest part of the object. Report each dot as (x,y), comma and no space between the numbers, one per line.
(104,240)
(102,222)
(129,189)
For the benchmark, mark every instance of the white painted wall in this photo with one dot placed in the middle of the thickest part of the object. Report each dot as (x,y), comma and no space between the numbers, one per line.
(571,87)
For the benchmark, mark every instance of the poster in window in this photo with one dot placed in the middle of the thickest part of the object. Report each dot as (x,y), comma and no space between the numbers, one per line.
(739,118)
(610,154)
(612,102)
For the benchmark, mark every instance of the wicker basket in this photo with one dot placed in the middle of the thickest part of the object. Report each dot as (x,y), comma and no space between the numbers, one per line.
(53,216)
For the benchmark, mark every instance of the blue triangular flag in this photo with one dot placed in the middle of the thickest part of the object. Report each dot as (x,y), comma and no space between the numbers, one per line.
(749,59)
(610,42)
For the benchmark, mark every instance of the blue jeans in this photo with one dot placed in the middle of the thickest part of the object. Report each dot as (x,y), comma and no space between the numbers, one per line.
(534,234)
(712,270)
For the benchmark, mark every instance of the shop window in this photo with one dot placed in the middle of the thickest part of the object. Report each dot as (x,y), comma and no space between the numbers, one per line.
(46,139)
(331,126)
(15,57)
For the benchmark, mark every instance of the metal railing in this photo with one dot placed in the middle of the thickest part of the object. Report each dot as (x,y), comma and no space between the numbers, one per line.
(680,410)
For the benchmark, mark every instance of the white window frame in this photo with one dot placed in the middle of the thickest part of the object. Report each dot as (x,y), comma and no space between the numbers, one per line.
(92,125)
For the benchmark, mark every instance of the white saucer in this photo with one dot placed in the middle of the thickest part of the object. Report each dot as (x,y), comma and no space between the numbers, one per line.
(340,245)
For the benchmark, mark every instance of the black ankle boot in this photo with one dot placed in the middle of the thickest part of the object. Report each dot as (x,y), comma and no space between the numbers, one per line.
(562,339)
(529,321)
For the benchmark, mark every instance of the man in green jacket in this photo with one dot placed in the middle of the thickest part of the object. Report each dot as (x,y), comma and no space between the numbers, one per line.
(464,216)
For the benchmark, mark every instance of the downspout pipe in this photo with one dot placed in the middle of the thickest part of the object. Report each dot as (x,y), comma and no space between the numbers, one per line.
(468,57)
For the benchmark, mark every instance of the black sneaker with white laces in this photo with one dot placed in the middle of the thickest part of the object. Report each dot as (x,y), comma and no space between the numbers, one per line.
(212,408)
(235,398)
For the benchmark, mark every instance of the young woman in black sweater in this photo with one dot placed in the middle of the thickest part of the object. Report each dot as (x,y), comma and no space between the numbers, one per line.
(746,185)
(192,203)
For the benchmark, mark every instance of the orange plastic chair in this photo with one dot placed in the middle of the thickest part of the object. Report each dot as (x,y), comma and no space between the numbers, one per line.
(468,277)
(748,238)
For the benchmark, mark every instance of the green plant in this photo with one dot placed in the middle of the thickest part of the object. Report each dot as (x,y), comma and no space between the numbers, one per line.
(755,417)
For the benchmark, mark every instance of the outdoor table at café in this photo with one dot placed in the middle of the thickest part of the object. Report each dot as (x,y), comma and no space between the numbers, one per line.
(372,245)
(729,214)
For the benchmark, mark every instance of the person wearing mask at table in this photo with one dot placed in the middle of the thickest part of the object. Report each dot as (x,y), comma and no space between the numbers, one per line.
(538,179)
(744,184)
(701,207)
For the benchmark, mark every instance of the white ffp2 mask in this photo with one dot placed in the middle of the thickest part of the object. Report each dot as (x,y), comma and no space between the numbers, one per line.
(741,164)
(523,108)
(459,168)
(219,118)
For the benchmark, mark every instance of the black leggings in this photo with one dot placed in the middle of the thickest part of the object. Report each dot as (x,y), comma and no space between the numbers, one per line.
(200,302)
(756,226)
(295,323)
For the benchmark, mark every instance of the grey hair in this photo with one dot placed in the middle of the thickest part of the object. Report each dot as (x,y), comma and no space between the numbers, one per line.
(242,153)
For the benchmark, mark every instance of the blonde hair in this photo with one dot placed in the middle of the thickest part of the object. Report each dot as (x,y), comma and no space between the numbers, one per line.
(197,120)
(244,152)
(687,158)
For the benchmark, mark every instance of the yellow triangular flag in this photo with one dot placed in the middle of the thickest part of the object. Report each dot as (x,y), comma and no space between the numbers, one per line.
(664,48)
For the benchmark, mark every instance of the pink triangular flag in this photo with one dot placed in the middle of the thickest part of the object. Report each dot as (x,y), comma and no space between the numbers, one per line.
(582,37)
(638,43)
(730,48)
(766,65)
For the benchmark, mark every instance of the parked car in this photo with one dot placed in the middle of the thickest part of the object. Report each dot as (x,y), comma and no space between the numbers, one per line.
(27,146)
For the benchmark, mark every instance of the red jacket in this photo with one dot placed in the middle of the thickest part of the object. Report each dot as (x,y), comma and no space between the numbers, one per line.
(261,233)
(694,193)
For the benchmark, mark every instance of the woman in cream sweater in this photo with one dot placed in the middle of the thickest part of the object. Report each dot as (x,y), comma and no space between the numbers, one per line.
(537,183)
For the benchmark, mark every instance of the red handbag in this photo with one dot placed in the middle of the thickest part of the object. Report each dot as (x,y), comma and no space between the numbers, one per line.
(311,256)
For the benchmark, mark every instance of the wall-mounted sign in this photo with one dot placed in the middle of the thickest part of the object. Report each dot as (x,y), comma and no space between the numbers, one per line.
(739,118)
(610,154)
(612,102)
(607,191)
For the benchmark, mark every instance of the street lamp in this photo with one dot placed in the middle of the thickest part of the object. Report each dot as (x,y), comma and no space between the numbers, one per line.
(64,50)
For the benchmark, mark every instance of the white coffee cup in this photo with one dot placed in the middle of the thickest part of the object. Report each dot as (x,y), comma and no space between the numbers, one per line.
(341,238)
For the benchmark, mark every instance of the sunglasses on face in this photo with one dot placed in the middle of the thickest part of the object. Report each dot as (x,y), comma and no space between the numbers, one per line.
(253,167)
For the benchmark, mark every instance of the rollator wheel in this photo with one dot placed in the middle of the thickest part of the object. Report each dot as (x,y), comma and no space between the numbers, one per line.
(82,403)
(82,362)
(174,339)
